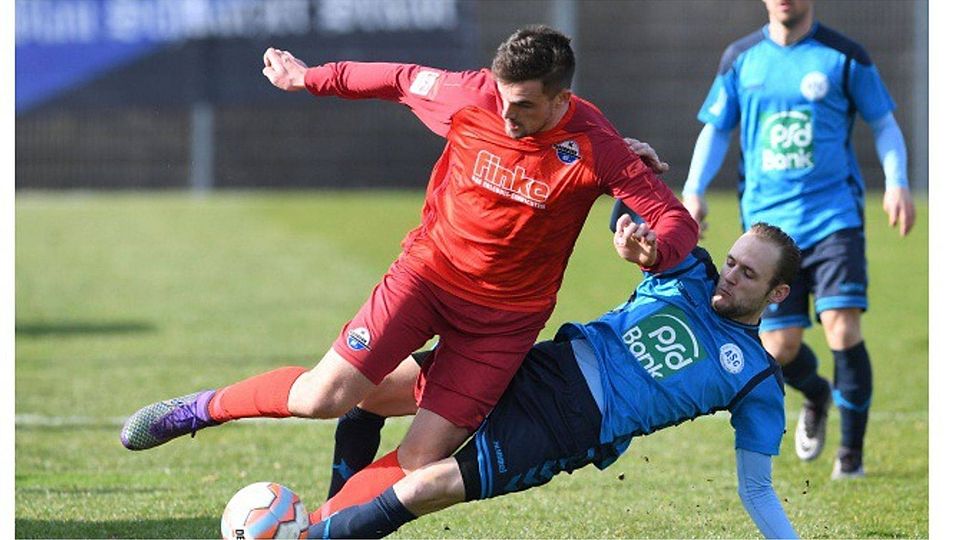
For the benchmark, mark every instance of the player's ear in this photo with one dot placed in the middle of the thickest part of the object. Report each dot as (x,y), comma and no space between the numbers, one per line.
(563,96)
(779,293)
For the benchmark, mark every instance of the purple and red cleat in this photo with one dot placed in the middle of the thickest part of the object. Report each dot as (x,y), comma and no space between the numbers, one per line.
(160,422)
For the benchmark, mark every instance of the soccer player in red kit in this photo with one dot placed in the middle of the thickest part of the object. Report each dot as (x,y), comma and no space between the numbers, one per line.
(524,161)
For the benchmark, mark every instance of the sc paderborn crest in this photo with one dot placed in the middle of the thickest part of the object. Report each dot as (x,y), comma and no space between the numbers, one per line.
(567,151)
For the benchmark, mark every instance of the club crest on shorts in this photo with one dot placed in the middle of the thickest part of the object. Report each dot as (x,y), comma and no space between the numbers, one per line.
(567,151)
(731,358)
(358,339)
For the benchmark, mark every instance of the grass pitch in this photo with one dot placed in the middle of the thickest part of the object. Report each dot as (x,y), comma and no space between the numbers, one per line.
(127,299)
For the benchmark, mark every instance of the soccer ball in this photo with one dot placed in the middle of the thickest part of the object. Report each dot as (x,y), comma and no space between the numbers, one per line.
(264,510)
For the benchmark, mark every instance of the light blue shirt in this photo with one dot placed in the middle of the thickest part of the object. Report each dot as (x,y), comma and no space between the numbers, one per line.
(795,106)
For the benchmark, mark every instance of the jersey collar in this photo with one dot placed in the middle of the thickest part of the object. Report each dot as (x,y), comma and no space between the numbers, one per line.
(808,35)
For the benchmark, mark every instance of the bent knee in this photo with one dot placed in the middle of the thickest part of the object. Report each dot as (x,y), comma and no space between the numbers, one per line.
(842,328)
(783,345)
(327,393)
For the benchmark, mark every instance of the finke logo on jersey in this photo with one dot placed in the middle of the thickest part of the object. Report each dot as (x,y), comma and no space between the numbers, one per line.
(663,342)
(511,183)
(786,139)
(424,83)
(358,339)
(814,86)
(568,151)
(731,358)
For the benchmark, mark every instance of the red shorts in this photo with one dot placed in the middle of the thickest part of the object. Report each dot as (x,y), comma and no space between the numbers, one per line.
(480,347)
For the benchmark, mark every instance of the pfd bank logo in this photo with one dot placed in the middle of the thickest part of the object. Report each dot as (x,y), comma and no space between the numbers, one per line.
(786,139)
(511,183)
(358,339)
(664,343)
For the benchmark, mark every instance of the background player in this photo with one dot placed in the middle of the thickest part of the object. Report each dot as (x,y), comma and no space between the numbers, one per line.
(525,160)
(657,360)
(794,87)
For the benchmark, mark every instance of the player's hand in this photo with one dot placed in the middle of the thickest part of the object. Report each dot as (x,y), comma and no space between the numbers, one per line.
(898,204)
(284,70)
(647,154)
(635,242)
(697,206)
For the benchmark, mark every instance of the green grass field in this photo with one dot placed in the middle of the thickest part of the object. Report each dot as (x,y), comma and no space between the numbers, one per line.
(126,299)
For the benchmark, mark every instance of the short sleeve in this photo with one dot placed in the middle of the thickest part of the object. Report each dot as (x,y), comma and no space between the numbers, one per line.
(868,91)
(759,419)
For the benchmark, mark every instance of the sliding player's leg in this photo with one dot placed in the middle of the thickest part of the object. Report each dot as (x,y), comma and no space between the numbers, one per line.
(546,422)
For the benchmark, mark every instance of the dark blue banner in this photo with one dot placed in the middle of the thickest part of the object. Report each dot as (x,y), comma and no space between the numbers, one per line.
(114,52)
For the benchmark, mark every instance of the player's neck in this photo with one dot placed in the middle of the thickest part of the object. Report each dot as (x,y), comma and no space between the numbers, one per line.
(788,35)
(557,116)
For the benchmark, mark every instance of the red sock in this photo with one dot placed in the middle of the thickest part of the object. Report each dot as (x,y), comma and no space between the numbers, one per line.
(363,486)
(261,395)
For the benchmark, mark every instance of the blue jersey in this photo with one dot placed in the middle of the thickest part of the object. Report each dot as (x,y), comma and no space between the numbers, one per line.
(665,356)
(795,105)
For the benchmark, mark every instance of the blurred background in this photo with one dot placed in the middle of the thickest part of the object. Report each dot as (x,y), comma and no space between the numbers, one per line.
(158,94)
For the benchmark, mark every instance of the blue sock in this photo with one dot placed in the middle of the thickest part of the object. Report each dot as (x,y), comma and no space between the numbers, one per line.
(374,519)
(356,442)
(801,374)
(853,387)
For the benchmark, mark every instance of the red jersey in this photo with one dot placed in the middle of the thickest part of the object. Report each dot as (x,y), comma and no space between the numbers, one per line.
(502,215)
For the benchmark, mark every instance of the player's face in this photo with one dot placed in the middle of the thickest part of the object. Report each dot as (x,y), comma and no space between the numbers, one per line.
(528,110)
(788,12)
(743,290)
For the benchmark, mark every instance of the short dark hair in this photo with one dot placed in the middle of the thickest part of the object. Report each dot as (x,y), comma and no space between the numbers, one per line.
(536,52)
(789,263)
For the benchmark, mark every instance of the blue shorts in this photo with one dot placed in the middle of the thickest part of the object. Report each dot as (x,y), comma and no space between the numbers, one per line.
(546,422)
(834,272)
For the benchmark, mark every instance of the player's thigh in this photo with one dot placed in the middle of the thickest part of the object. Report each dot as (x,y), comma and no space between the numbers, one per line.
(546,422)
(839,268)
(791,314)
(397,319)
(394,396)
(477,355)
(430,437)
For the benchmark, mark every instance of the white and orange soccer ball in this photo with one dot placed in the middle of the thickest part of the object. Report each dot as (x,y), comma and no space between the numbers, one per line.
(264,510)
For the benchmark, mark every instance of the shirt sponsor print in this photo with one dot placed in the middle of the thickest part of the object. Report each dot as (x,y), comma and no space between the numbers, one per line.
(786,140)
(664,343)
(510,183)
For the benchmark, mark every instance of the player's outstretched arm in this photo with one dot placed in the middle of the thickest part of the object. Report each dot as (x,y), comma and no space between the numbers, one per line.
(284,70)
(755,487)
